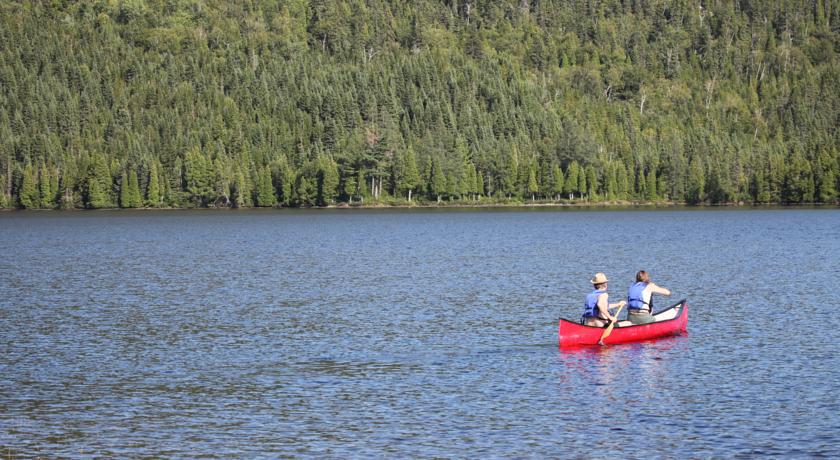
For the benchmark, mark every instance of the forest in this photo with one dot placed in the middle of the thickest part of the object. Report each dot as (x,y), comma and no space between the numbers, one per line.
(211,103)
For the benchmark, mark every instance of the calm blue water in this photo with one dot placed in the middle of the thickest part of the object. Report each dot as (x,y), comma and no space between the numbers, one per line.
(397,333)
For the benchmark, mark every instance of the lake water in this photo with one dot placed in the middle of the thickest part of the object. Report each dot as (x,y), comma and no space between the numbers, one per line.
(413,333)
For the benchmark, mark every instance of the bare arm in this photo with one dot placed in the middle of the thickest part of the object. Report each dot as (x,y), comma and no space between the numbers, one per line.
(604,306)
(659,290)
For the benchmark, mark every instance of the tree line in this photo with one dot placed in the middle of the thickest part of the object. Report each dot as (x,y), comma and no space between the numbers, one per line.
(182,103)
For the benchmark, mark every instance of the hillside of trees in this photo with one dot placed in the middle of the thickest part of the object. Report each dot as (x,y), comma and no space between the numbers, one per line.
(181,103)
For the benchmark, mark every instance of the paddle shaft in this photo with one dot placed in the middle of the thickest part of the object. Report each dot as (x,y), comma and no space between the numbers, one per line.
(609,329)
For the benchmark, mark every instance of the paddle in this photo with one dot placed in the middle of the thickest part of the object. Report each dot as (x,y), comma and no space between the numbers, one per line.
(609,329)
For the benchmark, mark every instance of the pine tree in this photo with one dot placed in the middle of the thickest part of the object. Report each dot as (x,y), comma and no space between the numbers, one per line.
(96,197)
(696,182)
(641,185)
(759,187)
(47,193)
(153,195)
(533,186)
(650,181)
(328,181)
(29,194)
(200,177)
(242,190)
(134,190)
(411,178)
(438,180)
(303,192)
(571,185)
(126,199)
(623,188)
(99,172)
(510,173)
(265,189)
(348,187)
(828,187)
(581,184)
(592,183)
(125,195)
(4,194)
(558,182)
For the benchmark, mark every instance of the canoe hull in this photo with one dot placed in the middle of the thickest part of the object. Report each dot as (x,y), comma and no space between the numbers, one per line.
(670,321)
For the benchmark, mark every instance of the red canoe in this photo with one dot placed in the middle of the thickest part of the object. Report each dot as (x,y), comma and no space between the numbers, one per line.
(670,321)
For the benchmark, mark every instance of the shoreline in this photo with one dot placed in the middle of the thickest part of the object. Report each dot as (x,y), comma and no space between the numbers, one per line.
(444,205)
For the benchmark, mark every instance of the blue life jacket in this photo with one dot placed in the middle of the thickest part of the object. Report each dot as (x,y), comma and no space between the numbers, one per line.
(636,298)
(590,308)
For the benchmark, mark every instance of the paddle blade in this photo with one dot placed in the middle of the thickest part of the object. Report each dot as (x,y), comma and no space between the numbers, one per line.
(609,328)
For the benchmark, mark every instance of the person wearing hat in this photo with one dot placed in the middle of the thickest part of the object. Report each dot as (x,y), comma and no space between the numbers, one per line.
(640,298)
(597,307)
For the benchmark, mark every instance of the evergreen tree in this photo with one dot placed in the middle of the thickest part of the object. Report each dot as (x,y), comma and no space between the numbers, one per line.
(348,187)
(533,186)
(153,192)
(437,182)
(99,172)
(265,189)
(641,184)
(134,190)
(696,182)
(650,181)
(592,183)
(558,184)
(5,195)
(623,185)
(582,182)
(125,195)
(199,177)
(328,179)
(479,184)
(47,192)
(571,185)
(29,194)
(411,177)
(304,192)
(241,191)
(96,197)
(510,173)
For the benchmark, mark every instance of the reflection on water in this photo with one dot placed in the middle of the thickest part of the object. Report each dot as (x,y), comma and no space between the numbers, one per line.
(411,334)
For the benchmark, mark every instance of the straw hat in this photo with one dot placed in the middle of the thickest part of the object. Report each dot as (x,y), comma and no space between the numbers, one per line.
(599,278)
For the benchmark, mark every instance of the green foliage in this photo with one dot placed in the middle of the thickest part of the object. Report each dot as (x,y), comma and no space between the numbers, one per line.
(328,180)
(200,177)
(125,196)
(304,193)
(342,101)
(99,185)
(134,195)
(558,182)
(47,186)
(153,190)
(437,180)
(265,189)
(29,195)
(533,186)
(130,196)
(96,197)
(411,177)
(696,182)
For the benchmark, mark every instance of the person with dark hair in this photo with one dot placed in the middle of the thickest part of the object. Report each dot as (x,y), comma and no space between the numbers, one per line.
(640,299)
(597,307)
